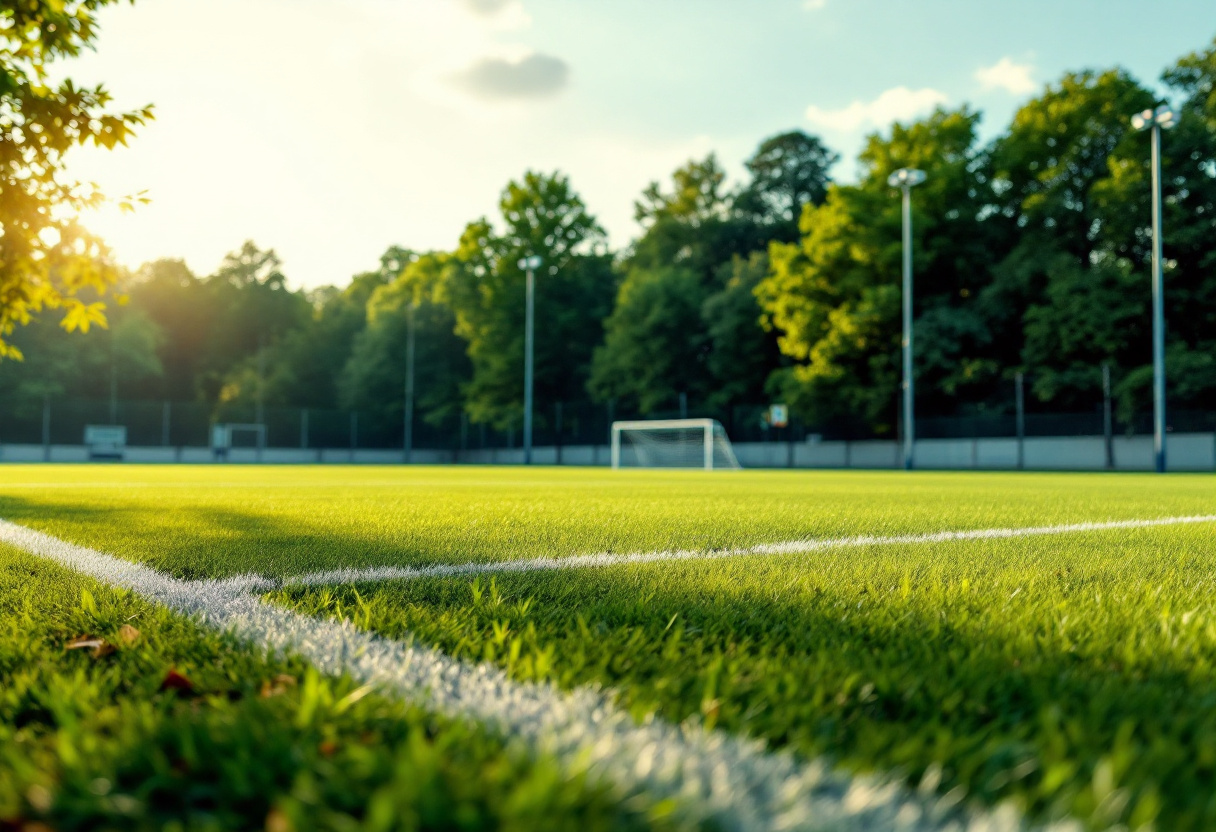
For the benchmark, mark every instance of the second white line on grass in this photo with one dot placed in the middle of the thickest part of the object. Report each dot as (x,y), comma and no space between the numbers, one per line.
(710,776)
(793,547)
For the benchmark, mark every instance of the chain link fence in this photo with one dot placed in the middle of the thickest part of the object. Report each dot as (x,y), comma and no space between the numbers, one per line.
(62,421)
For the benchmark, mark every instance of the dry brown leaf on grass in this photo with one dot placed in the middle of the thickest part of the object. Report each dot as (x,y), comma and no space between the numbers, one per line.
(176,681)
(278,685)
(128,635)
(276,821)
(23,826)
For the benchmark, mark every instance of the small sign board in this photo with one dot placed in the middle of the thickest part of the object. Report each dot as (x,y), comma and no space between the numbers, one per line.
(105,441)
(778,415)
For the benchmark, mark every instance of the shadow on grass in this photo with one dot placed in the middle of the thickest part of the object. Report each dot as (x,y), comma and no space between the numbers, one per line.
(205,541)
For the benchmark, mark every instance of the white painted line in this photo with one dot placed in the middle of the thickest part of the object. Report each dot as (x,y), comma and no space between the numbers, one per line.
(793,547)
(710,775)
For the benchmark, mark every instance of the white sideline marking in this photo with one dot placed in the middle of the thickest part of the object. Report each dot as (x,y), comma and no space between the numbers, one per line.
(711,775)
(793,547)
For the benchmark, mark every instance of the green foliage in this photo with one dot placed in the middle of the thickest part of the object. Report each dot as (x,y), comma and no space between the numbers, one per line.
(47,258)
(835,297)
(654,345)
(740,354)
(308,367)
(1029,254)
(788,171)
(374,376)
(686,320)
(542,215)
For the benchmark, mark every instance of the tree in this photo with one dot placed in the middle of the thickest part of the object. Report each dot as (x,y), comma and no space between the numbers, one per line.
(1190,220)
(834,296)
(373,379)
(789,170)
(693,225)
(250,309)
(172,297)
(740,353)
(541,215)
(307,367)
(47,259)
(654,348)
(1071,175)
(126,352)
(701,229)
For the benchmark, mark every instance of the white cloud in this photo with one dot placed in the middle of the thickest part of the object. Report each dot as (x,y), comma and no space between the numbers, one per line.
(487,7)
(502,15)
(895,104)
(531,76)
(814,5)
(1008,76)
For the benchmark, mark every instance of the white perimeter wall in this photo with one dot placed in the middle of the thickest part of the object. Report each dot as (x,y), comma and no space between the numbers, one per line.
(1185,452)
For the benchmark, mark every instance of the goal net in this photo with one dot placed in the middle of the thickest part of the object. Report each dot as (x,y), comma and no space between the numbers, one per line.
(225,436)
(671,443)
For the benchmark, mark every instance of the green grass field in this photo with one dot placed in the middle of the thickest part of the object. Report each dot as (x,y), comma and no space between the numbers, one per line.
(1068,674)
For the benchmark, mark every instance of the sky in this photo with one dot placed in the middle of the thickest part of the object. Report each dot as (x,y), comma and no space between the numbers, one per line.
(329,130)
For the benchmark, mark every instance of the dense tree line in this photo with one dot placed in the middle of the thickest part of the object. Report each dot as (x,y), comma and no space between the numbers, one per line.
(1031,254)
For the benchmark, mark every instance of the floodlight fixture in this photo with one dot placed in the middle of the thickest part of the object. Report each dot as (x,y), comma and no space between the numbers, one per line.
(906,178)
(1163,116)
(531,262)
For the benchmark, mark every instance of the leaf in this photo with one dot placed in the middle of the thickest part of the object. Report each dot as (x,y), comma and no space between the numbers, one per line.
(276,821)
(279,685)
(128,635)
(176,681)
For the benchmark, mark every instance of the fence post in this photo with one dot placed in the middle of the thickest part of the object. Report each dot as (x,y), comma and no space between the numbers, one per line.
(1020,404)
(1108,422)
(46,427)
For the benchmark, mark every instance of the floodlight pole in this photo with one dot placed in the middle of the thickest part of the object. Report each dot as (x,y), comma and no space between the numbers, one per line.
(905,179)
(409,382)
(529,264)
(1154,121)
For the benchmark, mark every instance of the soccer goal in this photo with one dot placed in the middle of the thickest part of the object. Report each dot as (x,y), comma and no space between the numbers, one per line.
(224,437)
(672,443)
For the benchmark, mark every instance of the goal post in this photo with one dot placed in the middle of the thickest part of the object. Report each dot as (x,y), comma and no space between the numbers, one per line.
(672,443)
(226,436)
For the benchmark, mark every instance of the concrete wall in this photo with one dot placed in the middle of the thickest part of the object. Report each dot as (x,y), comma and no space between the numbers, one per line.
(1185,452)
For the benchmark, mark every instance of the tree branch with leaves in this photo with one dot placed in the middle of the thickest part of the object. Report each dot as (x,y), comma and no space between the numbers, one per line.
(48,260)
